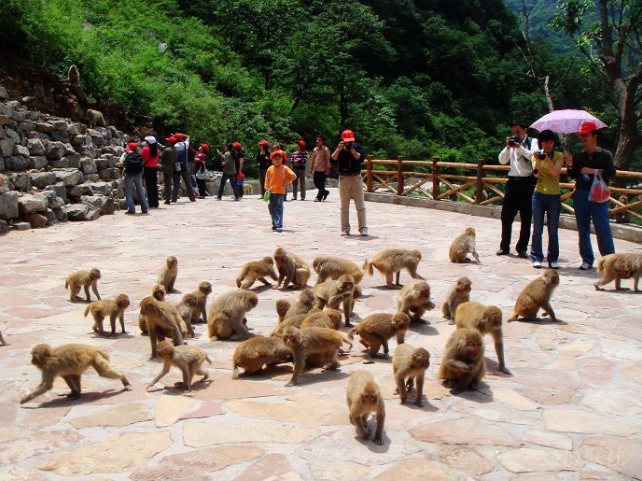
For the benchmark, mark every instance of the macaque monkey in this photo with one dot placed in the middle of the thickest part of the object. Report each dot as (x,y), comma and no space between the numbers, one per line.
(623,217)
(295,321)
(186,309)
(313,346)
(463,365)
(95,118)
(537,294)
(163,315)
(188,359)
(199,314)
(69,361)
(487,320)
(415,297)
(332,293)
(409,367)
(258,351)
(375,330)
(620,266)
(292,269)
(85,279)
(457,294)
(114,309)
(282,307)
(328,318)
(335,267)
(168,273)
(391,261)
(226,319)
(158,293)
(462,245)
(73,75)
(307,301)
(256,270)
(364,397)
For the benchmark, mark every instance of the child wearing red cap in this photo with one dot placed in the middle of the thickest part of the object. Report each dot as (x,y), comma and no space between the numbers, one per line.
(276,177)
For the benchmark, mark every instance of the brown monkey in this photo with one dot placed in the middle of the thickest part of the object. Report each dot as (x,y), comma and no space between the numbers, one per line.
(457,294)
(85,279)
(375,330)
(188,359)
(114,309)
(462,245)
(226,319)
(307,301)
(295,321)
(618,267)
(415,297)
(333,293)
(158,292)
(409,366)
(335,267)
(95,118)
(313,346)
(186,309)
(463,365)
(73,75)
(292,269)
(199,314)
(258,351)
(168,273)
(282,307)
(624,216)
(487,320)
(536,295)
(363,397)
(161,314)
(391,261)
(69,361)
(256,270)
(329,318)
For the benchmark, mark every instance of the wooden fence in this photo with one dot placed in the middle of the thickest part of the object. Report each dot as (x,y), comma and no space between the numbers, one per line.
(483,178)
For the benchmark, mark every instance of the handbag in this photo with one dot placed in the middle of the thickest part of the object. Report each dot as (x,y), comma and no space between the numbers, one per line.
(599,190)
(202,174)
(178,166)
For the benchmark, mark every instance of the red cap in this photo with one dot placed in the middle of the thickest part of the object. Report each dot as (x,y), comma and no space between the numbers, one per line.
(179,137)
(276,153)
(587,127)
(237,145)
(347,136)
(300,143)
(205,146)
(132,147)
(171,139)
(264,142)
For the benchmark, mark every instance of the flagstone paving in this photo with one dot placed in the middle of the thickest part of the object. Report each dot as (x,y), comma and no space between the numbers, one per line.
(572,408)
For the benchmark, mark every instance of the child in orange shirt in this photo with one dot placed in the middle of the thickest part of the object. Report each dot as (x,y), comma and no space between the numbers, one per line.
(275,179)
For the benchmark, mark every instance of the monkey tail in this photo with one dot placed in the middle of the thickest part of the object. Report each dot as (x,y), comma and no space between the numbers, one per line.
(86,310)
(348,343)
(240,278)
(209,361)
(367,267)
(66,284)
(351,334)
(600,265)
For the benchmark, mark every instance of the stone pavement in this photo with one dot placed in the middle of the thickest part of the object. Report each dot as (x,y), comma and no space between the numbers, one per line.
(571,410)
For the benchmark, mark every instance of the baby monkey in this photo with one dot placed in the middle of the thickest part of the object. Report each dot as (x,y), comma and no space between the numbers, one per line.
(462,245)
(364,397)
(188,359)
(114,309)
(82,279)
(409,366)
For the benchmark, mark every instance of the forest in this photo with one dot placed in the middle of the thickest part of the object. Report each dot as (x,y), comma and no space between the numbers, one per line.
(417,78)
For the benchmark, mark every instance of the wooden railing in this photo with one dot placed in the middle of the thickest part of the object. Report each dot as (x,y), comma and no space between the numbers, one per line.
(405,182)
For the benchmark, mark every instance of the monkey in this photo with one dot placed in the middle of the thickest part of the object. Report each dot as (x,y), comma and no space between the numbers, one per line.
(292,269)
(95,118)
(462,245)
(620,266)
(199,314)
(85,279)
(296,321)
(375,330)
(313,346)
(282,307)
(226,318)
(256,270)
(623,217)
(258,351)
(158,292)
(463,365)
(186,310)
(188,359)
(307,301)
(415,297)
(161,314)
(69,361)
(536,295)
(487,320)
(391,261)
(457,294)
(363,397)
(73,75)
(328,318)
(168,273)
(335,267)
(409,367)
(114,309)
(332,293)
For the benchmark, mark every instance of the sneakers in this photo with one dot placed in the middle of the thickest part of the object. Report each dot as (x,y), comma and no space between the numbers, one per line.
(317,200)
(537,264)
(345,233)
(363,232)
(279,229)
(585,266)
(273,227)
(553,265)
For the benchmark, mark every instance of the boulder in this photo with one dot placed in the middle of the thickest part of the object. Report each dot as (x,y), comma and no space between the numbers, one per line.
(60,214)
(80,212)
(6,147)
(9,205)
(102,202)
(4,225)
(21,150)
(21,181)
(88,166)
(22,225)
(59,189)
(41,180)
(103,188)
(16,163)
(37,162)
(77,191)
(73,160)
(55,150)
(37,221)
(32,203)
(59,164)
(36,147)
(51,217)
(59,124)
(69,177)
(44,127)
(4,95)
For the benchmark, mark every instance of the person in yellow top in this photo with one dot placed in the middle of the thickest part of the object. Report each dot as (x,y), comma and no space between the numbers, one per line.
(547,164)
(276,177)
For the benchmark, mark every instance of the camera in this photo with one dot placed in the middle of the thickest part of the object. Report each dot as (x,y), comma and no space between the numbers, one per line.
(541,155)
(514,140)
(347,145)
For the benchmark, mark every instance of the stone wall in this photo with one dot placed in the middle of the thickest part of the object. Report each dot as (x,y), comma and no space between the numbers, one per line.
(54,170)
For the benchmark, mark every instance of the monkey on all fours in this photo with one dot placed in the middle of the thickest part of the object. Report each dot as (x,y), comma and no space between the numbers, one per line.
(69,361)
(391,261)
(292,269)
(463,365)
(537,295)
(333,293)
(160,317)
(409,367)
(457,294)
(82,279)
(462,245)
(364,397)
(114,309)
(414,298)
(620,266)
(188,359)
(168,274)
(256,271)
(254,353)
(335,267)
(376,329)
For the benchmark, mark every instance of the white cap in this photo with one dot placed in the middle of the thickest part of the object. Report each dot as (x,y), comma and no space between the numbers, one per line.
(150,139)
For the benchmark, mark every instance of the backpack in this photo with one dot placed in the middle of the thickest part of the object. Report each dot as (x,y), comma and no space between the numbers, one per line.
(133,162)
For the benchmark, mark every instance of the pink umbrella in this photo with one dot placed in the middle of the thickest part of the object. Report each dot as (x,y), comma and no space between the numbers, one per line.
(566,121)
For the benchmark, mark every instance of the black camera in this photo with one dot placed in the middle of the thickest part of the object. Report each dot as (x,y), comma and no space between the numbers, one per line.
(347,145)
(514,140)
(541,155)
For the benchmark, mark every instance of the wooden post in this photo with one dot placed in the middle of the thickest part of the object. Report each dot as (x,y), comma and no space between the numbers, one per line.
(480,186)
(369,173)
(400,175)
(435,178)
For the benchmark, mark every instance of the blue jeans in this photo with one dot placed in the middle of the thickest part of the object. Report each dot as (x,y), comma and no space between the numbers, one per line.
(585,210)
(551,205)
(275,206)
(135,179)
(221,187)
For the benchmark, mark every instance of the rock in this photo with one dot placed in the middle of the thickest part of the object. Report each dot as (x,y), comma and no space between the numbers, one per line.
(168,409)
(55,150)
(112,173)
(59,189)
(21,181)
(42,180)
(118,416)
(77,191)
(21,150)
(103,203)
(51,217)
(59,136)
(16,163)
(59,164)
(32,203)
(6,147)
(22,226)
(61,214)
(37,221)
(37,162)
(80,212)
(9,205)
(73,160)
(89,151)
(468,430)
(88,166)
(36,147)
(4,226)
(2,168)
(44,127)
(4,95)
(69,177)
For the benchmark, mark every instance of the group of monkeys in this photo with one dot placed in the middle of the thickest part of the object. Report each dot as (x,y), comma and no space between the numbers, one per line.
(307,333)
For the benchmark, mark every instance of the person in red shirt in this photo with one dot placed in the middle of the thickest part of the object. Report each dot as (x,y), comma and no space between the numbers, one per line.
(151,154)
